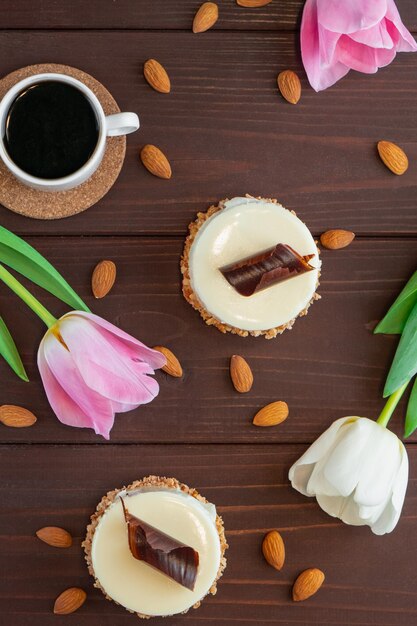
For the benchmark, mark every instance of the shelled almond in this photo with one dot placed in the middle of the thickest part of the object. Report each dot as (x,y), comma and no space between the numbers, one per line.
(16,416)
(55,536)
(393,157)
(336,239)
(69,601)
(157,76)
(273,549)
(173,366)
(290,86)
(103,278)
(253,3)
(241,374)
(155,161)
(271,414)
(307,584)
(206,16)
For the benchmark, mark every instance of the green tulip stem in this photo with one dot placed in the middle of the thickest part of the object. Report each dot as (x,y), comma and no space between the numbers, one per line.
(390,405)
(27,297)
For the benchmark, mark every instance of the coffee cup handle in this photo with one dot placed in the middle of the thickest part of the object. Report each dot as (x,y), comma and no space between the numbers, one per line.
(121,124)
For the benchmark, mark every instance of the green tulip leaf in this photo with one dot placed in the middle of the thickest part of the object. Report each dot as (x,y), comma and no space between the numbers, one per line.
(9,351)
(24,259)
(404,365)
(411,416)
(394,321)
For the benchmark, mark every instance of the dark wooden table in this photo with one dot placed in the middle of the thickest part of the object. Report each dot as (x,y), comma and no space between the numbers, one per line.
(226,131)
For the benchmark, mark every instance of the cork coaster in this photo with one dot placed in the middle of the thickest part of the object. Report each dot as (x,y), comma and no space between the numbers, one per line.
(47,205)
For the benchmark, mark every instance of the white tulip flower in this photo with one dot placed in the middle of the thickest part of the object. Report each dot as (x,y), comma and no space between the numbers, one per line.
(358,471)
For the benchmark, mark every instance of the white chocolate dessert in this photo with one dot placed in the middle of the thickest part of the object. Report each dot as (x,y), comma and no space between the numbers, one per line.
(235,230)
(179,514)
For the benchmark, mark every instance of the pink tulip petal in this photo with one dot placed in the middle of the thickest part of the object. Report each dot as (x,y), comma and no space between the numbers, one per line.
(356,56)
(65,408)
(376,37)
(327,47)
(102,367)
(385,57)
(139,349)
(350,16)
(61,363)
(320,74)
(406,43)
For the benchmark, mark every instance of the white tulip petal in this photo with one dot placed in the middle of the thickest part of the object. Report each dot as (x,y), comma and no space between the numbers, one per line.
(344,465)
(379,468)
(343,508)
(389,518)
(301,470)
(300,476)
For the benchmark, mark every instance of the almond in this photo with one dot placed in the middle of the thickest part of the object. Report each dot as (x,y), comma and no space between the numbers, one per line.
(241,374)
(393,156)
(307,584)
(273,549)
(271,414)
(157,76)
(289,86)
(103,278)
(69,601)
(253,3)
(336,239)
(206,16)
(55,536)
(155,161)
(173,366)
(16,416)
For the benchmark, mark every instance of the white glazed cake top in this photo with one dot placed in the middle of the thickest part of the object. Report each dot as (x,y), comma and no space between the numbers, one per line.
(133,583)
(245,227)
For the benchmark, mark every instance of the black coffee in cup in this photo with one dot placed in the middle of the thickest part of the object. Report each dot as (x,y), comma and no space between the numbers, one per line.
(51,130)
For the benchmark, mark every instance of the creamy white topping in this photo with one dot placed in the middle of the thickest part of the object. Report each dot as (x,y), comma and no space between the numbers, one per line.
(246,227)
(133,583)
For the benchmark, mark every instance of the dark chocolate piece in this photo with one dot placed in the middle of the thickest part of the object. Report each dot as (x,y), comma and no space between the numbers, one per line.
(275,265)
(162,552)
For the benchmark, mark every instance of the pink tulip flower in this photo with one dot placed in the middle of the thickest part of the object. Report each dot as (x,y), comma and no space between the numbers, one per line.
(91,370)
(361,35)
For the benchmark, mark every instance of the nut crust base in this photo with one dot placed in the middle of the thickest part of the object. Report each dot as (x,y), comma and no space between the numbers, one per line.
(149,482)
(192,298)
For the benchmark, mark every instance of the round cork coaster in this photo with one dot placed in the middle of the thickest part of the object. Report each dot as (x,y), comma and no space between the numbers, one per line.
(53,205)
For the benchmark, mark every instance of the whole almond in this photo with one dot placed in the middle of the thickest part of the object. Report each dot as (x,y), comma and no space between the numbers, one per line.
(273,549)
(289,86)
(16,416)
(336,239)
(103,278)
(206,16)
(253,3)
(173,366)
(271,414)
(393,157)
(155,161)
(241,374)
(307,584)
(55,536)
(69,601)
(157,76)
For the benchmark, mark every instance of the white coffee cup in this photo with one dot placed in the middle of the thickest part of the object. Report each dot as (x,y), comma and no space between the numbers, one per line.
(108,126)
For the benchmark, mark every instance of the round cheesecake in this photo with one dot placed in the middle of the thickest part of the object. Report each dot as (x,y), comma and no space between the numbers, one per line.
(237,229)
(176,511)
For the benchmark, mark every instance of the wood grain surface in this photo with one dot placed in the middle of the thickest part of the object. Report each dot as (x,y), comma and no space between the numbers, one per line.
(328,366)
(160,14)
(226,131)
(369,579)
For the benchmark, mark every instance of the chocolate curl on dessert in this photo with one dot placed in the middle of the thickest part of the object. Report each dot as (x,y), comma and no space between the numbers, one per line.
(268,268)
(164,553)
